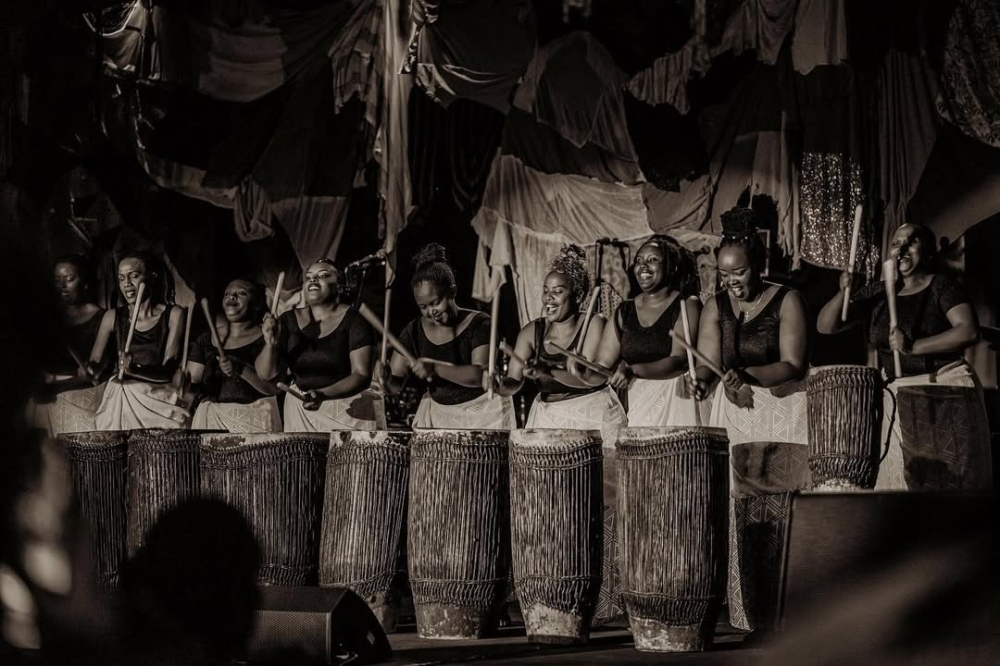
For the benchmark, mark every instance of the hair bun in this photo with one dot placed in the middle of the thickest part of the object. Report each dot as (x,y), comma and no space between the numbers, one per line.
(574,251)
(431,253)
(739,222)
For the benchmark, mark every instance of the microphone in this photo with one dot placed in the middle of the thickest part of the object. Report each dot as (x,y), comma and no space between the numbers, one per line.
(614,242)
(365,262)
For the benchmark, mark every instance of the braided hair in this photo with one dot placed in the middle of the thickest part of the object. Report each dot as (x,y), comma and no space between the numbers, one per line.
(572,263)
(679,265)
(159,281)
(739,229)
(431,265)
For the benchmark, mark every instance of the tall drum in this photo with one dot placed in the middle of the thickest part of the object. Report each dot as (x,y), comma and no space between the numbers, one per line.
(364,514)
(97,464)
(459,531)
(557,533)
(163,469)
(673,508)
(845,426)
(277,481)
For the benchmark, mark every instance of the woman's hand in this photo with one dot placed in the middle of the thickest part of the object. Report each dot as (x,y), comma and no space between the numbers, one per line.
(623,377)
(269,328)
(382,376)
(697,387)
(846,279)
(899,342)
(312,401)
(423,370)
(226,366)
(125,361)
(732,380)
(496,379)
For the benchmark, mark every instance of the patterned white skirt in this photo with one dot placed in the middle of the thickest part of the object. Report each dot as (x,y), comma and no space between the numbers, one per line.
(663,402)
(132,404)
(71,411)
(364,411)
(258,416)
(478,414)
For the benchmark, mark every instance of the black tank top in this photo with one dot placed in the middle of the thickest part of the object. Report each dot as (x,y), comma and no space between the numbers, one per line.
(746,344)
(641,344)
(549,389)
(148,347)
(80,338)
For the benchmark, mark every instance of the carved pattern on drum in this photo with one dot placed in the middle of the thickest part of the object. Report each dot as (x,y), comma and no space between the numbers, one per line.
(163,469)
(459,531)
(277,481)
(673,510)
(364,517)
(98,469)
(557,530)
(845,420)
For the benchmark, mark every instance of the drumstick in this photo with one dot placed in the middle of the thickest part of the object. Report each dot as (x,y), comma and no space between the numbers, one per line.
(494,320)
(507,349)
(434,361)
(687,340)
(367,313)
(277,293)
(211,329)
(582,360)
(291,391)
(187,338)
(384,353)
(889,277)
(586,319)
(707,362)
(855,234)
(131,325)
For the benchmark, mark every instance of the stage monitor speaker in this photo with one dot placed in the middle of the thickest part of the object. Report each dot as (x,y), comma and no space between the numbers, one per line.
(838,543)
(329,625)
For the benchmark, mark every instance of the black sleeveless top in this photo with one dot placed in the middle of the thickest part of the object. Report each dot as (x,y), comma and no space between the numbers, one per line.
(80,338)
(219,387)
(457,351)
(148,347)
(641,344)
(549,389)
(747,344)
(317,362)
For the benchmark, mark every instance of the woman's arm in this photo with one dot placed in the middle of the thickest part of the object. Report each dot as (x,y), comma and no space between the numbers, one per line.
(607,356)
(964,332)
(392,382)
(676,363)
(709,344)
(356,382)
(828,322)
(104,332)
(467,375)
(270,362)
(793,343)
(590,344)
(524,348)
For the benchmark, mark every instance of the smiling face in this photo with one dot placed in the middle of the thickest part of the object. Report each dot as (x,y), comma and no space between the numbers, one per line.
(907,248)
(650,269)
(558,300)
(737,274)
(131,273)
(237,301)
(321,284)
(69,283)
(435,302)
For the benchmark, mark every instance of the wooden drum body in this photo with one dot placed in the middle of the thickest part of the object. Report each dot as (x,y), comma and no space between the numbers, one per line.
(364,517)
(673,509)
(163,469)
(557,530)
(845,426)
(459,531)
(98,469)
(277,481)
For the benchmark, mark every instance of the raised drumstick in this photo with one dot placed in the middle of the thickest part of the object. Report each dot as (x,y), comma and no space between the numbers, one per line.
(376,323)
(291,391)
(687,340)
(277,293)
(187,339)
(131,325)
(211,329)
(591,305)
(507,349)
(855,234)
(707,362)
(889,277)
(583,360)
(494,320)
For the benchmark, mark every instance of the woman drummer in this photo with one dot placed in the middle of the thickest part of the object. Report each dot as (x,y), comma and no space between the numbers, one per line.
(639,345)
(72,397)
(233,397)
(759,336)
(935,324)
(325,351)
(460,339)
(145,396)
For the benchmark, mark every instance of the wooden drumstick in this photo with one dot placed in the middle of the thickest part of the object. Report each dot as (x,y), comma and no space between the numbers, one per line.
(507,349)
(187,340)
(211,329)
(583,360)
(889,277)
(494,321)
(384,353)
(131,325)
(376,323)
(586,319)
(279,285)
(855,235)
(687,340)
(707,362)
(291,391)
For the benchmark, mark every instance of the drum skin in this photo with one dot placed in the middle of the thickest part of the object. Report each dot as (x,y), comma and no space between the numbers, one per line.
(459,531)
(557,531)
(673,506)
(364,517)
(277,481)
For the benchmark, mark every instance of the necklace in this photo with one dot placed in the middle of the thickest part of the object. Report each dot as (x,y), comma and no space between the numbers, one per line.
(756,304)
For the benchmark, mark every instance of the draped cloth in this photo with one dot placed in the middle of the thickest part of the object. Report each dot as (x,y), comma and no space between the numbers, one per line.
(258,416)
(658,402)
(478,414)
(364,411)
(940,438)
(132,404)
(71,411)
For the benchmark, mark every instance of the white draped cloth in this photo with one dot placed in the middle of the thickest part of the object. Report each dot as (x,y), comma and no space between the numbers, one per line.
(132,405)
(364,411)
(71,411)
(260,415)
(481,413)
(661,402)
